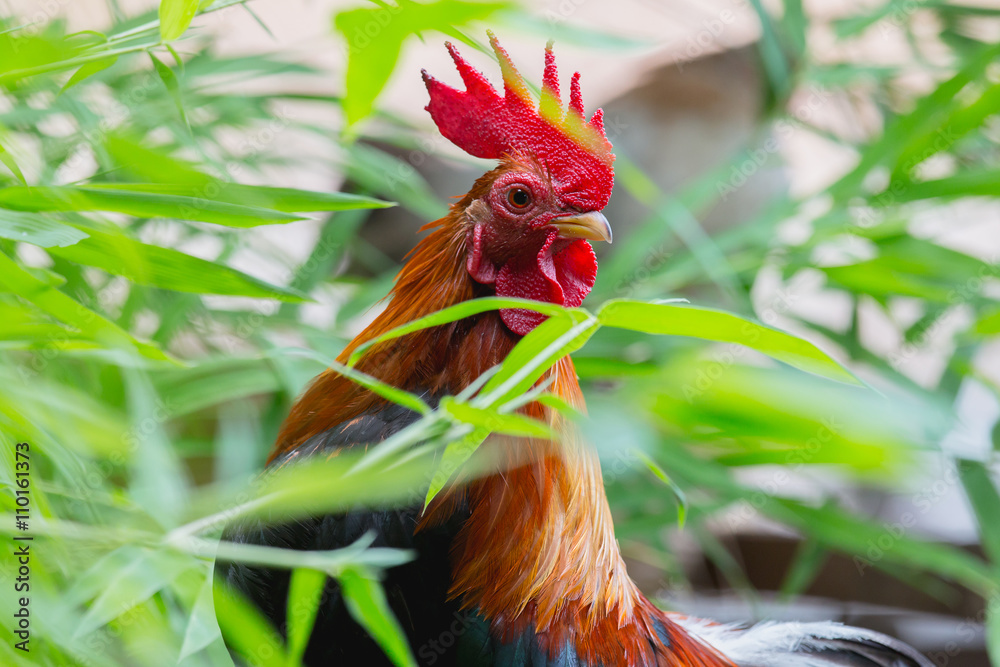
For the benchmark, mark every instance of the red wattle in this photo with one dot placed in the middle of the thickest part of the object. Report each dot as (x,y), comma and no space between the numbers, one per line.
(563,278)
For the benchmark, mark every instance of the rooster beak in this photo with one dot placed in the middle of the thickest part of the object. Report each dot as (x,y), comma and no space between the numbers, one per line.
(592,225)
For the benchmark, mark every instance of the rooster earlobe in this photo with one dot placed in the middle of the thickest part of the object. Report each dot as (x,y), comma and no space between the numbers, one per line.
(480,267)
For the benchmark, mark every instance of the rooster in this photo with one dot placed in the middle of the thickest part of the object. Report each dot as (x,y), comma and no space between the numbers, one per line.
(521,567)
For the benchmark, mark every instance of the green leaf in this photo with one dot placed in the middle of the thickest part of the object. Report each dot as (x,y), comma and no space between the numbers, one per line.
(135,583)
(304,593)
(982,494)
(139,204)
(8,160)
(87,71)
(840,529)
(375,37)
(497,422)
(202,628)
(215,381)
(288,200)
(484,422)
(993,629)
(157,483)
(150,164)
(926,116)
(177,58)
(457,312)
(89,584)
(959,123)
(166,268)
(386,391)
(749,415)
(175,17)
(809,560)
(24,54)
(38,230)
(565,32)
(365,600)
(856,23)
(795,26)
(880,278)
(80,420)
(978,183)
(333,562)
(173,86)
(50,300)
(988,323)
(454,457)
(378,172)
(318,486)
(247,632)
(536,352)
(914,267)
(682,503)
(772,55)
(716,325)
(557,403)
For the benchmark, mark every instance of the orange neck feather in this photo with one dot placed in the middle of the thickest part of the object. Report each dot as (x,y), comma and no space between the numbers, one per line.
(539,549)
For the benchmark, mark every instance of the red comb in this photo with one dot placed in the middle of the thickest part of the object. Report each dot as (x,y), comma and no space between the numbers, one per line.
(575,151)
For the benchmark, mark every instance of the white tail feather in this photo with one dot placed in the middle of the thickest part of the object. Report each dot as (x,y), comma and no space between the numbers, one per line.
(772,644)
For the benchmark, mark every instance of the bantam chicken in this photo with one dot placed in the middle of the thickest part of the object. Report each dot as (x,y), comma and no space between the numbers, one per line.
(518,568)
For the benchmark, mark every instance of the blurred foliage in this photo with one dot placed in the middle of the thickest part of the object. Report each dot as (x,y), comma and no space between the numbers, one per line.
(150,375)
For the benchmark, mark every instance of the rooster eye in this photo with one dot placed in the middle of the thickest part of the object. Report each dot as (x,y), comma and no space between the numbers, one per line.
(518,198)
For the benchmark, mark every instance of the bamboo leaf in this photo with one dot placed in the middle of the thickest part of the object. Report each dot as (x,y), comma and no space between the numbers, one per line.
(454,457)
(148,164)
(87,71)
(809,560)
(958,124)
(535,353)
(247,632)
(166,268)
(304,594)
(38,230)
(8,160)
(175,17)
(925,117)
(497,422)
(318,485)
(386,391)
(359,553)
(63,308)
(139,204)
(170,81)
(135,583)
(202,628)
(216,381)
(454,313)
(659,473)
(988,323)
(982,494)
(373,54)
(288,200)
(716,325)
(979,183)
(365,600)
(993,629)
(870,544)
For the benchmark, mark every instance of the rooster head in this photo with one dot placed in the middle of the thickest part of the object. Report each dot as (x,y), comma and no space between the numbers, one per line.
(529,228)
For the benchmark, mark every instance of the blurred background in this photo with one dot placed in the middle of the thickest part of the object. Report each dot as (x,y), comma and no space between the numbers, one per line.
(826,167)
